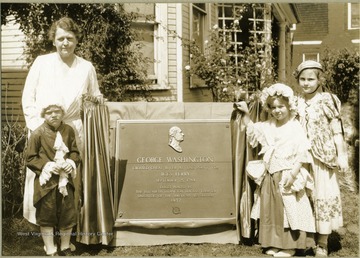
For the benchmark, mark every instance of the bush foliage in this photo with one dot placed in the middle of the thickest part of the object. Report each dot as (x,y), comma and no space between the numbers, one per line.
(342,75)
(13,138)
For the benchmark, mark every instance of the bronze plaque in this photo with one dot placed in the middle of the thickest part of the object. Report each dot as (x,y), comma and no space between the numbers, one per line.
(173,173)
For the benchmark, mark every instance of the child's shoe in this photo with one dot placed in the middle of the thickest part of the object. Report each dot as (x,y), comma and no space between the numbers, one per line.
(272,251)
(52,254)
(66,252)
(321,251)
(285,253)
(309,251)
(72,247)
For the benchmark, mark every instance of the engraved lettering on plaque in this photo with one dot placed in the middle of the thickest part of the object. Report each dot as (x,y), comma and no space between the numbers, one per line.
(157,184)
(176,136)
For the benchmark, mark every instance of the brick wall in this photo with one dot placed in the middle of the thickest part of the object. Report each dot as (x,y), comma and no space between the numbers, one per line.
(313,21)
(324,22)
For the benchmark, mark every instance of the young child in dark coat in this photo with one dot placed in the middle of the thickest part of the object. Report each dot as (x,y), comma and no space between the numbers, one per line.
(53,155)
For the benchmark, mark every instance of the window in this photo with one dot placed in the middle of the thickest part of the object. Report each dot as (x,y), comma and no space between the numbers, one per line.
(198,32)
(229,19)
(153,38)
(293,27)
(198,23)
(311,56)
(248,26)
(242,23)
(353,16)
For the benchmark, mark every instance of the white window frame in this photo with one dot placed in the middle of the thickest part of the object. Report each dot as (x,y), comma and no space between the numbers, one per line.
(160,48)
(349,16)
(312,54)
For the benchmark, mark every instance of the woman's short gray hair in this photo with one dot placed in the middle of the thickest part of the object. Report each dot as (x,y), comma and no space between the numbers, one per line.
(64,23)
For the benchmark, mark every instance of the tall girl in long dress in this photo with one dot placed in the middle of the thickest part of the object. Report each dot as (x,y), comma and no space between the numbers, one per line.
(319,113)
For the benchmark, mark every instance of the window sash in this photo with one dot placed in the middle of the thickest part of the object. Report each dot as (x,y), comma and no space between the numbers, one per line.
(311,56)
(154,39)
(198,21)
(353,16)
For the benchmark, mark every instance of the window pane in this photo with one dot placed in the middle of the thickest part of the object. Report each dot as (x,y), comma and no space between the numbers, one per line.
(146,38)
(198,27)
(355,23)
(145,30)
(311,56)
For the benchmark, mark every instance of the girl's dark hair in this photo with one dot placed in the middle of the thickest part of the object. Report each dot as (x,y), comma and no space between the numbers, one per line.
(64,23)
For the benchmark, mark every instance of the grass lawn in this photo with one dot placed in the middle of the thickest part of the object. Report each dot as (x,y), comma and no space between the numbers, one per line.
(20,238)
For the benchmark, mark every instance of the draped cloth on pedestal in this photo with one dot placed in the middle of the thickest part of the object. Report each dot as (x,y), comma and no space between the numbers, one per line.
(241,154)
(97,213)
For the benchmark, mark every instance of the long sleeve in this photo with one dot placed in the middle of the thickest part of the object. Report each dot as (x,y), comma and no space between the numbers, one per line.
(332,110)
(34,161)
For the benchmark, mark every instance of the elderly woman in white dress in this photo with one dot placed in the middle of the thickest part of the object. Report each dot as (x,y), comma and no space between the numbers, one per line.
(62,74)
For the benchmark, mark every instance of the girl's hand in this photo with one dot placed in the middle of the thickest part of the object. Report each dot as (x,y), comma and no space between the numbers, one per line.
(287,179)
(56,169)
(242,106)
(67,167)
(343,163)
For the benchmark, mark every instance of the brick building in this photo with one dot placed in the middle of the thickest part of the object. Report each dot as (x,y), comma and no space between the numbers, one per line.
(323,26)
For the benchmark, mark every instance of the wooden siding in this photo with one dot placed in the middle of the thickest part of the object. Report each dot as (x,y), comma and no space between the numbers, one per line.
(12,83)
(172,52)
(13,72)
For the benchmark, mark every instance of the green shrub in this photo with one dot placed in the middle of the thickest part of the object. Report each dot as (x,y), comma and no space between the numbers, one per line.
(341,72)
(13,140)
(342,75)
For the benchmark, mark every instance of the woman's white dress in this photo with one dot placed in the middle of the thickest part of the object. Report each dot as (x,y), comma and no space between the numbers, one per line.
(51,80)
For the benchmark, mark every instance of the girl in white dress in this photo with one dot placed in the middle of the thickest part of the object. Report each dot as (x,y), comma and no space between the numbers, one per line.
(286,220)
